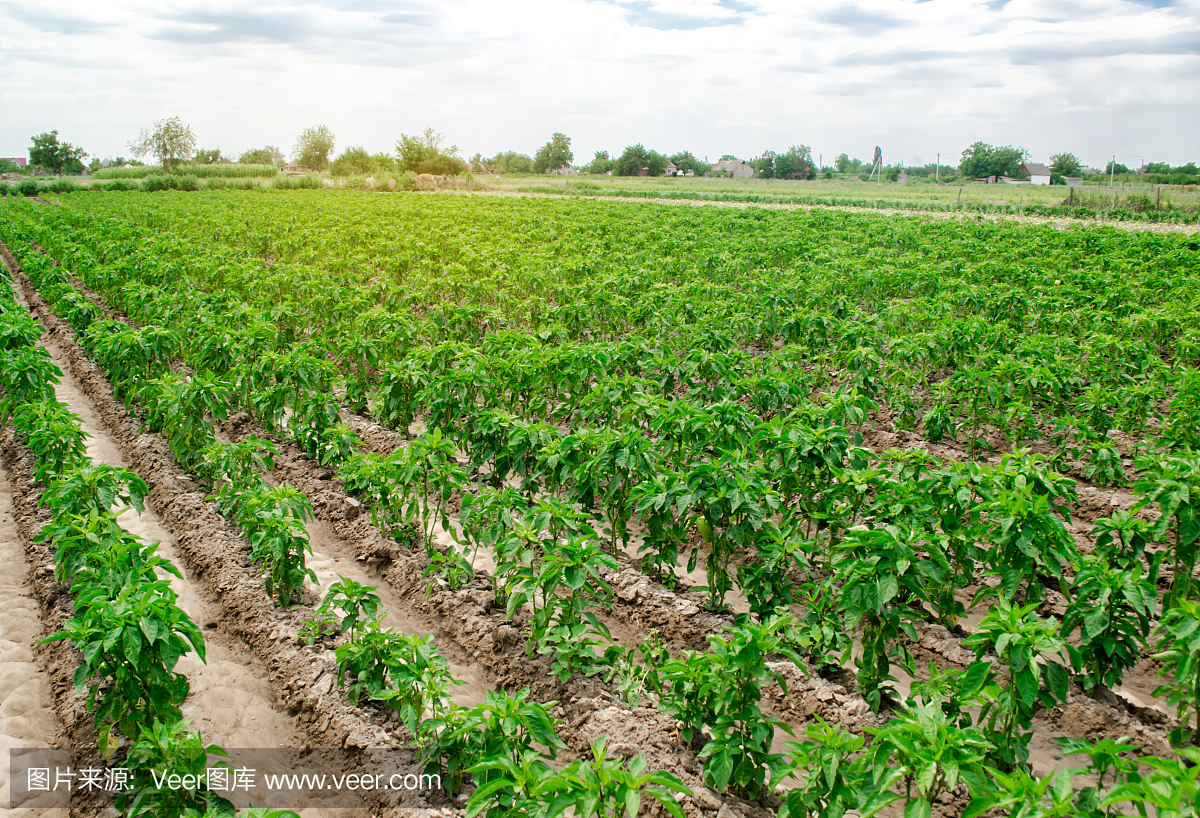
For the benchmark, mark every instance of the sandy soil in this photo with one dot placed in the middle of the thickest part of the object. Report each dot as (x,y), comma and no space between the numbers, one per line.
(27,716)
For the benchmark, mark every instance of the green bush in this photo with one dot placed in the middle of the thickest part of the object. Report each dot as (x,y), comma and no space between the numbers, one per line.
(187,183)
(5,190)
(119,185)
(28,188)
(309,182)
(155,183)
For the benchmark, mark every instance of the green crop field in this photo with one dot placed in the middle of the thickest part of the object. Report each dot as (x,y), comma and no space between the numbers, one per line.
(1092,200)
(824,510)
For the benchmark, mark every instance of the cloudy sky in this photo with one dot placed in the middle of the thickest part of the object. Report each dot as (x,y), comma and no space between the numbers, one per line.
(1095,77)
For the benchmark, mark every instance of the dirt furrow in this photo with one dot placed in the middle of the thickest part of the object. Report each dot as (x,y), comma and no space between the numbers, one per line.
(300,681)
(27,715)
(230,698)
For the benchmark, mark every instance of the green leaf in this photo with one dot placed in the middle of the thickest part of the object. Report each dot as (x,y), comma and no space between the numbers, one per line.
(919,808)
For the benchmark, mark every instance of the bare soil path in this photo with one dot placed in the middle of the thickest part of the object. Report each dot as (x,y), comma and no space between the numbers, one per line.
(27,715)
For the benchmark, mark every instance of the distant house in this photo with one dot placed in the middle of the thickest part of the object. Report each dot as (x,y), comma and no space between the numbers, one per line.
(1038,174)
(566,170)
(734,168)
(1073,181)
(670,170)
(16,160)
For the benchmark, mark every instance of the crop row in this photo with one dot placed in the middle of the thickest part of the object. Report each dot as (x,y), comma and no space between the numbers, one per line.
(199,171)
(126,624)
(397,671)
(1134,207)
(887,568)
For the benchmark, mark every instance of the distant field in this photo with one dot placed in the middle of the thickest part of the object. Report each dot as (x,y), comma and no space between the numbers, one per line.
(1185,199)
(199,171)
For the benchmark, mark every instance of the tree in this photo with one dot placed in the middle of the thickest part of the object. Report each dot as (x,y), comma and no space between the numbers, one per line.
(1118,169)
(600,164)
(53,155)
(685,162)
(313,146)
(553,155)
(1065,164)
(352,161)
(842,163)
(384,162)
(424,154)
(764,165)
(982,159)
(441,164)
(210,157)
(170,142)
(270,155)
(636,158)
(511,162)
(797,163)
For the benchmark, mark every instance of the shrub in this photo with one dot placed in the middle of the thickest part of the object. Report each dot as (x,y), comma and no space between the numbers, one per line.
(5,190)
(187,183)
(406,181)
(28,188)
(309,182)
(120,185)
(155,183)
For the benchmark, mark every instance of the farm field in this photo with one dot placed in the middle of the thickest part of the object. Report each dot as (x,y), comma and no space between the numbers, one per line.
(812,510)
(1180,203)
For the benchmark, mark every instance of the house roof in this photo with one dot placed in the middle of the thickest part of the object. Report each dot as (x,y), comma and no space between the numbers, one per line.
(728,164)
(1034,169)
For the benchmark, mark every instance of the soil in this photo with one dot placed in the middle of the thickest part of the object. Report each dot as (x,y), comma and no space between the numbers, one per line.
(27,715)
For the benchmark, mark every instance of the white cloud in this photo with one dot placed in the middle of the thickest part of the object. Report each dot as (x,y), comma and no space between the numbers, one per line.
(713,76)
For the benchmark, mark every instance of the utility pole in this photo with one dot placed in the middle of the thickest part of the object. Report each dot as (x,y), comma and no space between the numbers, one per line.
(1112,170)
(937,169)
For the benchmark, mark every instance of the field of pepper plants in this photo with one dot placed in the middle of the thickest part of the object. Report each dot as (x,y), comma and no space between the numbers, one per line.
(607,508)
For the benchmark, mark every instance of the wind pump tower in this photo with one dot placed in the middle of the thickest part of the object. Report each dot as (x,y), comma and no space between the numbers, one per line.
(877,165)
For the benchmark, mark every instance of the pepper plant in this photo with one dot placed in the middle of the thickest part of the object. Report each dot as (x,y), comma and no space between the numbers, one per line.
(720,691)
(1177,646)
(1026,647)
(1112,608)
(1173,483)
(130,645)
(881,577)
